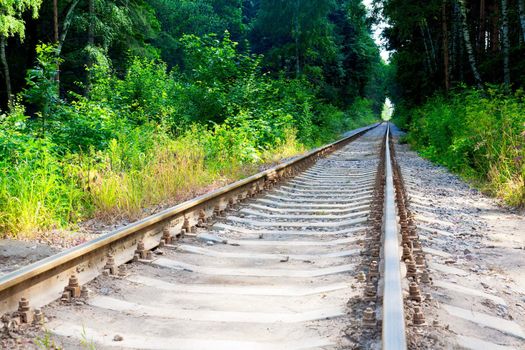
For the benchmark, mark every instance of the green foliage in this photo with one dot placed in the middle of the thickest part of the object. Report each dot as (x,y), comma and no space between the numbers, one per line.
(134,131)
(42,86)
(144,94)
(327,42)
(190,17)
(478,134)
(83,125)
(46,342)
(11,11)
(153,136)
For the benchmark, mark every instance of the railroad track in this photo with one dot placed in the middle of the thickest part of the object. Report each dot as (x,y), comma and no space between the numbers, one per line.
(307,255)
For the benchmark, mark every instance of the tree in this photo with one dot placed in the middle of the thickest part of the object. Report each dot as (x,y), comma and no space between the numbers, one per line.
(478,41)
(12,24)
(521,5)
(468,43)
(294,34)
(359,54)
(103,33)
(60,37)
(66,25)
(506,41)
(198,17)
(446,66)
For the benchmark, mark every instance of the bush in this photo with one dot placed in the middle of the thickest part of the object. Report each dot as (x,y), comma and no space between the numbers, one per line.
(479,134)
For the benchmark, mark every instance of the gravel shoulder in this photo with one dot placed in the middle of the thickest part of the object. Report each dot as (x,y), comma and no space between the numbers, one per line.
(474,247)
(15,254)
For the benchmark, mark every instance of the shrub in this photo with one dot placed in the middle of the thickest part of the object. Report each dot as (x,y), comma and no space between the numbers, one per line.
(479,134)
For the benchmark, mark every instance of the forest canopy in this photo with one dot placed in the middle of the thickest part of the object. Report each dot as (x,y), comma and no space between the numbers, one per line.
(459,74)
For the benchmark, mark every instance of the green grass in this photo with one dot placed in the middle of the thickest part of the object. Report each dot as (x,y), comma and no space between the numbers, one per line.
(36,195)
(120,181)
(477,134)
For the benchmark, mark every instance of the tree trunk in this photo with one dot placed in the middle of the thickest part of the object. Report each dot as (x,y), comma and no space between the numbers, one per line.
(7,76)
(468,44)
(427,54)
(445,44)
(91,41)
(455,39)
(494,35)
(91,25)
(521,4)
(482,30)
(432,49)
(506,42)
(55,20)
(65,26)
(297,33)
(55,30)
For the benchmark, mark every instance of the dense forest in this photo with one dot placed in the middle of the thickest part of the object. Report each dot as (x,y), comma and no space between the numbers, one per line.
(113,106)
(459,78)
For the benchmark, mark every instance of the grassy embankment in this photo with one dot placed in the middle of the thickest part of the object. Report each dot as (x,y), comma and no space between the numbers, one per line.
(144,139)
(479,135)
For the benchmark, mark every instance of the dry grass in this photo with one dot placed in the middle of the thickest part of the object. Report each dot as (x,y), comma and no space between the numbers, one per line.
(175,171)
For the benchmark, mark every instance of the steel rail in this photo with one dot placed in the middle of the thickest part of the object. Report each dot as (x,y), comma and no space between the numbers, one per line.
(393,326)
(43,280)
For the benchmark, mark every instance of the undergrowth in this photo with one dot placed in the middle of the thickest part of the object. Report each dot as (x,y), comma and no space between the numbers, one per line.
(479,134)
(151,136)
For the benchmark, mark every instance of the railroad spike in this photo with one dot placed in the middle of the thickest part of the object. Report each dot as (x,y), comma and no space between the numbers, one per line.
(66,297)
(38,319)
(373,271)
(407,253)
(216,210)
(110,266)
(414,292)
(85,292)
(24,311)
(166,235)
(420,260)
(369,318)
(186,227)
(370,292)
(418,319)
(73,288)
(411,269)
(416,245)
(141,250)
(201,222)
(361,276)
(425,278)
(374,252)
